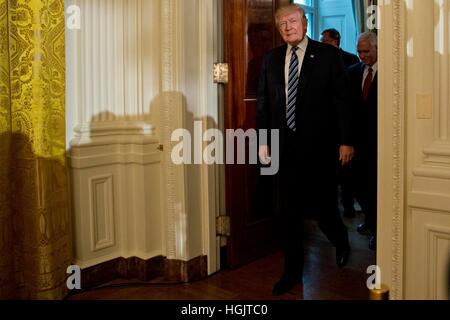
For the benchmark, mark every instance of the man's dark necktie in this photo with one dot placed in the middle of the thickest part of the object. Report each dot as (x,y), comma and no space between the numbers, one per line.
(292,90)
(367,84)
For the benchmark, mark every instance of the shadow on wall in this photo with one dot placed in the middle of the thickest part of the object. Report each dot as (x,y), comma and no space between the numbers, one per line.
(167,112)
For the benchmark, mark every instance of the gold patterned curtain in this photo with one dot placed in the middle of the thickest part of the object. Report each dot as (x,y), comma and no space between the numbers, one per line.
(35,237)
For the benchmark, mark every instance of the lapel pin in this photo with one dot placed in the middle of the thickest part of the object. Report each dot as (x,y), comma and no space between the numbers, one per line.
(312,56)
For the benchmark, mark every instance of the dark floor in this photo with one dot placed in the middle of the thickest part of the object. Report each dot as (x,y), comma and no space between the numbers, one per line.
(323,280)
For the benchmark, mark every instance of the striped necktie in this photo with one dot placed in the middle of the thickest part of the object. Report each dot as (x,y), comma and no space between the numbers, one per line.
(292,90)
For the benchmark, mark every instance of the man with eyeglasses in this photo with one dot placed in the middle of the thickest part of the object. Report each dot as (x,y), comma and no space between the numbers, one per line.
(302,92)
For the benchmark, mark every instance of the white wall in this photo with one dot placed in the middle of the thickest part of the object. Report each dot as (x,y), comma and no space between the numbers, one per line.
(136,71)
(414,148)
(113,67)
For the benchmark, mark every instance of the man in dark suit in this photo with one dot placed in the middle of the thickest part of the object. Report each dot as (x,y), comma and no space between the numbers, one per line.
(363,85)
(333,37)
(302,92)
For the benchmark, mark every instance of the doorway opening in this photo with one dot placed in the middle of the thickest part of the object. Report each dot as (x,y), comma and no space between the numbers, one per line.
(249,32)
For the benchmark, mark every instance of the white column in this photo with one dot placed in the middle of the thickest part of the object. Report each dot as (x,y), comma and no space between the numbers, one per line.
(172,113)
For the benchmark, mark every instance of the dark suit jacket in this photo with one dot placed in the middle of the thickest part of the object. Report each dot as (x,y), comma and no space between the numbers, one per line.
(349,58)
(323,113)
(366,122)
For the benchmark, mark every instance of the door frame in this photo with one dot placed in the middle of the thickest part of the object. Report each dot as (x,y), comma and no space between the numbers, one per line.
(212,183)
(391,146)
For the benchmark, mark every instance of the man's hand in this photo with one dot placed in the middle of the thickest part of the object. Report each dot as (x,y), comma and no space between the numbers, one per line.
(264,154)
(346,154)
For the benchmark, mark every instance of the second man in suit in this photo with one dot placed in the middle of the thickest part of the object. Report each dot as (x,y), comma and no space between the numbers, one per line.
(363,86)
(333,37)
(302,92)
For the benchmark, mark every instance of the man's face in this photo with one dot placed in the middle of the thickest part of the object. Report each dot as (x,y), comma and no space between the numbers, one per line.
(292,28)
(367,53)
(328,40)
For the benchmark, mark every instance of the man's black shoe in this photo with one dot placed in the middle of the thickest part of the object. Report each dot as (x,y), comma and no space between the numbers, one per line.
(285,284)
(342,255)
(362,228)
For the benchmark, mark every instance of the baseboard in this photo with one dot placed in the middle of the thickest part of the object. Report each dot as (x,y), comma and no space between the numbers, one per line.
(186,271)
(144,270)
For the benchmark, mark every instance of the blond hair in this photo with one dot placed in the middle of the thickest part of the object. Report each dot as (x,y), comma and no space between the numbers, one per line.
(288,9)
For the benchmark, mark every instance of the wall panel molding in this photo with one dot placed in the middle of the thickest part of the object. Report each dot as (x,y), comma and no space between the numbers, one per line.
(117,200)
(102,212)
(438,249)
(437,154)
(428,257)
(442,71)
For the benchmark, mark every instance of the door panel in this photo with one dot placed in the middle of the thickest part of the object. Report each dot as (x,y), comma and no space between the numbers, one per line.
(338,14)
(249,32)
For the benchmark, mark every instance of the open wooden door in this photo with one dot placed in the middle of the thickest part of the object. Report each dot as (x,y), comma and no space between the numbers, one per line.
(249,32)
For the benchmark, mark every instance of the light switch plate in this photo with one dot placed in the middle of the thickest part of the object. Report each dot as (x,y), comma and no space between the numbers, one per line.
(424,106)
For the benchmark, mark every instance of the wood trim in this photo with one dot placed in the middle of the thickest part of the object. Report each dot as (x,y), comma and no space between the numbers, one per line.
(391,145)
(186,271)
(145,270)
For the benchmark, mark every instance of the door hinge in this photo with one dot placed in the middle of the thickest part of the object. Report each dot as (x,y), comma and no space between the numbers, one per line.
(223,226)
(221,72)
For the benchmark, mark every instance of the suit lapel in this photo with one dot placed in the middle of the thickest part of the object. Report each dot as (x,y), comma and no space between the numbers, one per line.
(361,76)
(374,86)
(307,67)
(374,82)
(280,60)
